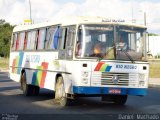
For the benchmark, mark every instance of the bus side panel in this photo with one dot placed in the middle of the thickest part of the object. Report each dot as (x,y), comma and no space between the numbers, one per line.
(75,76)
(42,71)
(15,63)
(41,67)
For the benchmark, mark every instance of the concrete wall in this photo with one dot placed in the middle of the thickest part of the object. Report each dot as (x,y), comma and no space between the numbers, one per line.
(154,45)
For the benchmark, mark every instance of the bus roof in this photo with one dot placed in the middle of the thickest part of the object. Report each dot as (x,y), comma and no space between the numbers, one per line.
(77,20)
(34,26)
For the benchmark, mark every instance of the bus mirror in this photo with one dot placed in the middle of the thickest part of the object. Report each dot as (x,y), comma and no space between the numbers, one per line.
(69,52)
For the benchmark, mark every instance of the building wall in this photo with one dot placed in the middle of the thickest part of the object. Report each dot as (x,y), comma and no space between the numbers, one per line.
(154,45)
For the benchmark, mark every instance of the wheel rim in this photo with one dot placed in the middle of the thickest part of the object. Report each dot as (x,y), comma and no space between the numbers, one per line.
(60,92)
(23,83)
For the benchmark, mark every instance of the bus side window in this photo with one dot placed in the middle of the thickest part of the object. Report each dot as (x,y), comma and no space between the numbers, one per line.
(56,38)
(28,40)
(62,43)
(14,41)
(34,39)
(69,41)
(21,40)
(31,41)
(17,41)
(70,36)
(62,38)
(41,39)
(49,37)
(25,40)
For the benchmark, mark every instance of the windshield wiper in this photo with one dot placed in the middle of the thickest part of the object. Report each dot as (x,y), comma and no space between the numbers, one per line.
(128,55)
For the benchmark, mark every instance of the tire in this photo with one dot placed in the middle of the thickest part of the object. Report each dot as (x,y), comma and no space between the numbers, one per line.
(120,99)
(36,90)
(108,98)
(60,94)
(27,89)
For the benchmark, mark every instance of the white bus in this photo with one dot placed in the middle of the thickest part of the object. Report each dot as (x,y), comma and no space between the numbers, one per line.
(85,57)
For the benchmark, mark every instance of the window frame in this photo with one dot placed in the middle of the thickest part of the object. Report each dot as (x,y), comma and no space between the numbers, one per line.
(27,41)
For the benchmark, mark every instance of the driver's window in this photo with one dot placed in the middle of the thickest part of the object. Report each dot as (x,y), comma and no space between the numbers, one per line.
(78,47)
(70,41)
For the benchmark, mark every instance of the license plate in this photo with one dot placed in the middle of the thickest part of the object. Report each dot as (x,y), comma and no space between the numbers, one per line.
(115,91)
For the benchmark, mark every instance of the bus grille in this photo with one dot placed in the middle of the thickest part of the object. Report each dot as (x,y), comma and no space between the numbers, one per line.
(106,78)
(123,79)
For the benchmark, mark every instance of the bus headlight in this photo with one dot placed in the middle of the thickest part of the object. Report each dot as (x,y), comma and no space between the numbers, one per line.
(84,74)
(141,77)
(141,83)
(85,80)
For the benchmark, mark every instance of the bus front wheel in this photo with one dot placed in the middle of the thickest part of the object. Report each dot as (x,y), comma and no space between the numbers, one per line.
(60,94)
(120,99)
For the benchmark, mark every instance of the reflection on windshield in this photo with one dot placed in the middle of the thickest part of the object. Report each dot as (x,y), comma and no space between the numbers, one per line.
(99,41)
(129,45)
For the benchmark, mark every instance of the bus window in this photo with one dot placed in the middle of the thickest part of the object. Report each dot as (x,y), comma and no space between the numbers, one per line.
(69,41)
(49,38)
(41,38)
(31,41)
(70,36)
(55,39)
(28,40)
(25,41)
(17,41)
(14,41)
(21,40)
(78,49)
(62,38)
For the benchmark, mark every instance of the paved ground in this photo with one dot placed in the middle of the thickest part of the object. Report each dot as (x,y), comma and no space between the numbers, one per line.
(154,82)
(13,102)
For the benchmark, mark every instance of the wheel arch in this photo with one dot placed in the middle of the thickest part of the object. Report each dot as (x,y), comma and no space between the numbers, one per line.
(22,71)
(58,75)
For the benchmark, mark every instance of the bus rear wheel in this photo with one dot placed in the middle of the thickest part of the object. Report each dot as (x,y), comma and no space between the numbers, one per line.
(60,94)
(28,90)
(35,90)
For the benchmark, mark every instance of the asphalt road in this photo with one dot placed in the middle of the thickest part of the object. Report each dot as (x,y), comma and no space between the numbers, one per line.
(13,102)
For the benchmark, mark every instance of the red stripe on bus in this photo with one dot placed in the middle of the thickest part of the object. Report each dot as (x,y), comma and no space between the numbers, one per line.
(99,65)
(13,65)
(44,73)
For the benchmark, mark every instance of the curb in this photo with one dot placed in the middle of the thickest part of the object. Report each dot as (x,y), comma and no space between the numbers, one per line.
(4,70)
(153,86)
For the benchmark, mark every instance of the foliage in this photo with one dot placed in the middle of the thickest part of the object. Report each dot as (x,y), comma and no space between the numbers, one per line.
(153,34)
(5,38)
(154,69)
(4,63)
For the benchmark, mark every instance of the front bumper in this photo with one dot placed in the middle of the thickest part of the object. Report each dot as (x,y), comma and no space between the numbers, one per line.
(109,90)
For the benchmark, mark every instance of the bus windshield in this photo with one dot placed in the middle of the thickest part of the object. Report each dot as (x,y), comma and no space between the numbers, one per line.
(110,42)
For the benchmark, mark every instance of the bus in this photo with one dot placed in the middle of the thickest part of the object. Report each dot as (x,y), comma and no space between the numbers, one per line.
(81,57)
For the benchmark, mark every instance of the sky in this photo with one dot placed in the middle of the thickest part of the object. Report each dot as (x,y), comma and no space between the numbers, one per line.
(16,11)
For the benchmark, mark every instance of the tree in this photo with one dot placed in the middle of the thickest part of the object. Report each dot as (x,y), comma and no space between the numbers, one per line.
(5,38)
(153,34)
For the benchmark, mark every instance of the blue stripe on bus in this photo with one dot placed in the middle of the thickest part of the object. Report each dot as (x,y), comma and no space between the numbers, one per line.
(21,54)
(105,90)
(108,68)
(34,78)
(55,39)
